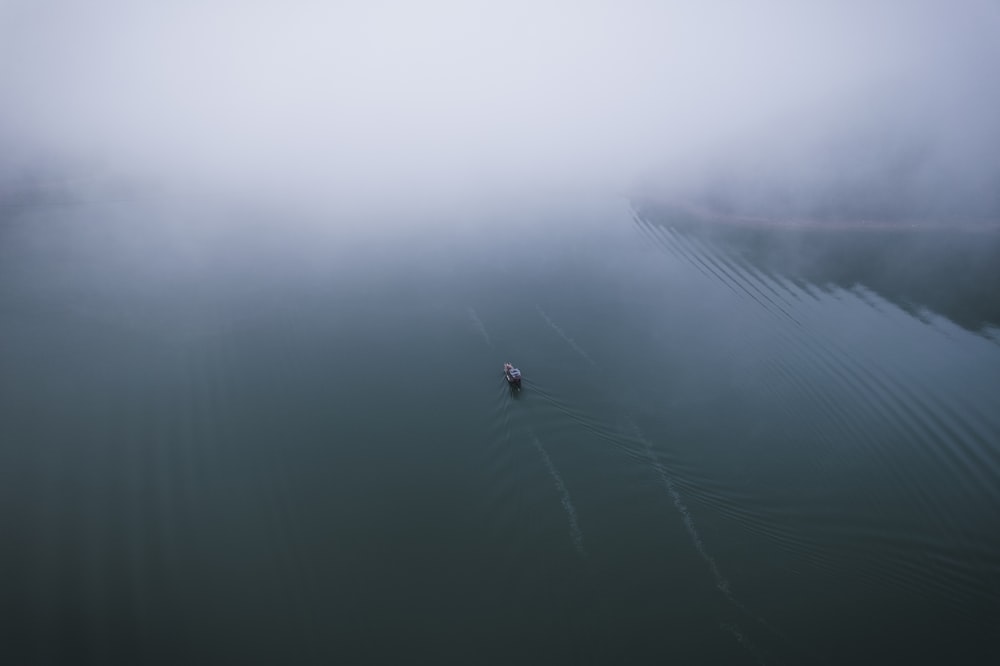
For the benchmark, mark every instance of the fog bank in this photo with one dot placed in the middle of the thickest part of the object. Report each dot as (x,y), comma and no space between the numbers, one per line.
(330,102)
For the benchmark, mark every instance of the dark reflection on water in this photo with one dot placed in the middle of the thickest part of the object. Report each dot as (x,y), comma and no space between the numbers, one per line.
(226,437)
(952,272)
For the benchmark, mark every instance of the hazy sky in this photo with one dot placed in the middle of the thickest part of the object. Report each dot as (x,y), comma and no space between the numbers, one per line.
(338,98)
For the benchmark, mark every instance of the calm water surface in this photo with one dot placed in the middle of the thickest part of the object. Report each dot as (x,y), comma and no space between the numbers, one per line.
(232,437)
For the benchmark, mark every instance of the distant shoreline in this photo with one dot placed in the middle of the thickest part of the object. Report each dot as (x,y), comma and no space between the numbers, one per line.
(691,211)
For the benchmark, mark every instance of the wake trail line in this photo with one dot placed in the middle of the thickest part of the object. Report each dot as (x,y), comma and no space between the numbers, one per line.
(721,583)
(744,641)
(574,526)
(569,340)
(477,323)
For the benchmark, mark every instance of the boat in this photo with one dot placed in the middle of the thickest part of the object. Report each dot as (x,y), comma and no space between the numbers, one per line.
(513,376)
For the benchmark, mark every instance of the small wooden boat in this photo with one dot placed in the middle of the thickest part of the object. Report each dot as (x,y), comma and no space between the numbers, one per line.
(513,376)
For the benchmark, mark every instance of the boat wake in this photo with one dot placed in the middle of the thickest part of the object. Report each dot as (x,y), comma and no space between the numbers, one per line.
(572,343)
(668,483)
(721,583)
(477,324)
(574,526)
(743,641)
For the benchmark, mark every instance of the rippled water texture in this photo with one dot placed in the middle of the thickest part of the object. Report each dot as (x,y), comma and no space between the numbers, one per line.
(238,438)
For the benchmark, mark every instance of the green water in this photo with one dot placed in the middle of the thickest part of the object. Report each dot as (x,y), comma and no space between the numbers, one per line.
(243,437)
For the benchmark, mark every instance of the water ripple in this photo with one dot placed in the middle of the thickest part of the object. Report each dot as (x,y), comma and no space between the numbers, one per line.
(574,525)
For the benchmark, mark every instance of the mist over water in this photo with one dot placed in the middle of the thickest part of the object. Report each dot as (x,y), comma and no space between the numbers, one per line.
(880,105)
(261,265)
